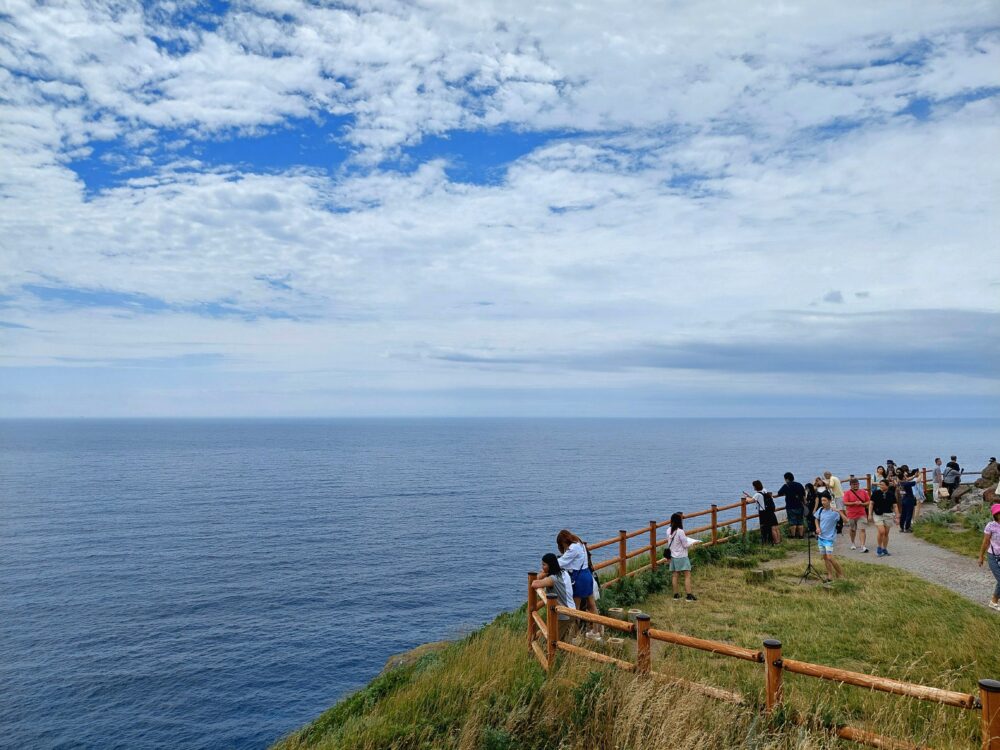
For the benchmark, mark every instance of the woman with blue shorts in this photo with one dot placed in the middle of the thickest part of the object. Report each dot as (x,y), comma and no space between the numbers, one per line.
(574,559)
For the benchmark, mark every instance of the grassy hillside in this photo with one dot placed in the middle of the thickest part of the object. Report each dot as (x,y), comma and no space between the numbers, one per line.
(487,692)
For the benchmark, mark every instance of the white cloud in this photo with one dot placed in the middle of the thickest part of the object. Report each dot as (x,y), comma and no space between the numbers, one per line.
(694,193)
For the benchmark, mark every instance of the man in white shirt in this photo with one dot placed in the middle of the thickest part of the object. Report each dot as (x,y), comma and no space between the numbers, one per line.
(836,489)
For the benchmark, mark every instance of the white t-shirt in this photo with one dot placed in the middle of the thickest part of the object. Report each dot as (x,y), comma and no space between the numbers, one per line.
(563,589)
(758,498)
(679,544)
(574,558)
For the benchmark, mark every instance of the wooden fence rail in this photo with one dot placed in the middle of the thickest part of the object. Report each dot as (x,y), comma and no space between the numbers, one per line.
(774,665)
(774,668)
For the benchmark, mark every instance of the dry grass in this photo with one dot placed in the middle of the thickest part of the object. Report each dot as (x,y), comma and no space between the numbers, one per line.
(487,692)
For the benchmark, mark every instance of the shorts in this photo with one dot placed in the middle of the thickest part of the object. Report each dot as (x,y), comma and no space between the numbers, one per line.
(583,583)
(886,519)
(825,545)
(680,564)
(794,517)
(853,523)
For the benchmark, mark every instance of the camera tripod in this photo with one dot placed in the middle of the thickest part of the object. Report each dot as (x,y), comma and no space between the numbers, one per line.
(810,571)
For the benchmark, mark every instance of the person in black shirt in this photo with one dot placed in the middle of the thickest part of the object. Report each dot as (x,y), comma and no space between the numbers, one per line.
(794,494)
(885,512)
(810,507)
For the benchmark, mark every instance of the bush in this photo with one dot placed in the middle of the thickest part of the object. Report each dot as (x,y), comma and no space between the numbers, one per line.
(939,518)
(977,519)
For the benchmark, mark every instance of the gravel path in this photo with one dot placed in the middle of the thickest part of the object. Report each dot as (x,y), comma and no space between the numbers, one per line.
(932,563)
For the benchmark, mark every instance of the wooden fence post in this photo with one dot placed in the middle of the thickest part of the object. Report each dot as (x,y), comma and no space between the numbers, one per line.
(773,692)
(652,546)
(868,482)
(642,643)
(532,606)
(622,551)
(552,627)
(743,516)
(715,521)
(989,696)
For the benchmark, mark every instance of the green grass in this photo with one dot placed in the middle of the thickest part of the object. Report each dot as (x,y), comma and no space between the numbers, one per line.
(878,620)
(959,533)
(488,692)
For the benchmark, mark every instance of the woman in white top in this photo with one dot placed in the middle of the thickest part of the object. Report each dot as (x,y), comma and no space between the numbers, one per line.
(573,558)
(677,545)
(556,581)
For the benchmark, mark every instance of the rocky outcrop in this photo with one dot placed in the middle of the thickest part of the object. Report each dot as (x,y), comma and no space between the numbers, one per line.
(991,475)
(970,499)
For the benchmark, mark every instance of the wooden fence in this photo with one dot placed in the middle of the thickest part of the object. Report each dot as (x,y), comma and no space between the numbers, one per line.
(774,665)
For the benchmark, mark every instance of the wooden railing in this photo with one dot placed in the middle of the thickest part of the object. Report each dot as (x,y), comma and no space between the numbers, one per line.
(774,665)
(770,656)
(713,528)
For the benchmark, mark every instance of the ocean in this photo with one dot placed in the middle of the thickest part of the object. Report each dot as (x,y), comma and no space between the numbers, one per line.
(217,583)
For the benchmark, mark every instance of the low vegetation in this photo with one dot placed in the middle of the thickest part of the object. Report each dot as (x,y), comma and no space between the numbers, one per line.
(487,692)
(959,532)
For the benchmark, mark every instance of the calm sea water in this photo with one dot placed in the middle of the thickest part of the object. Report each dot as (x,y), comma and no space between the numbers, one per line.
(215,584)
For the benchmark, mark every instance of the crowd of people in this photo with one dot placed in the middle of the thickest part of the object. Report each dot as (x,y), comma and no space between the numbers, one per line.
(821,508)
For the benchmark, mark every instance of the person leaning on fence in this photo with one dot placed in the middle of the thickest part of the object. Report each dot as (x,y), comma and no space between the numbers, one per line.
(857,504)
(952,476)
(826,533)
(885,513)
(556,581)
(991,547)
(794,494)
(769,531)
(573,558)
(677,552)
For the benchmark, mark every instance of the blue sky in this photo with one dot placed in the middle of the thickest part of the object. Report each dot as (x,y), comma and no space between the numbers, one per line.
(276,207)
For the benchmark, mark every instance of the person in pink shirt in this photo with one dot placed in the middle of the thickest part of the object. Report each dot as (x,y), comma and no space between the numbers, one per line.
(991,547)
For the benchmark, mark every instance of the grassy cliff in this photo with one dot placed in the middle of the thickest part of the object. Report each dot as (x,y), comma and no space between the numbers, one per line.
(485,691)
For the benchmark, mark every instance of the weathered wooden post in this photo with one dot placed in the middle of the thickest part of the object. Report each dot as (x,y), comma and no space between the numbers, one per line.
(652,546)
(773,692)
(532,606)
(868,482)
(552,628)
(989,696)
(622,551)
(743,516)
(642,659)
(715,521)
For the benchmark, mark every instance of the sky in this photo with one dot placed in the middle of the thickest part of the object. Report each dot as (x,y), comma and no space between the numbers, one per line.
(685,208)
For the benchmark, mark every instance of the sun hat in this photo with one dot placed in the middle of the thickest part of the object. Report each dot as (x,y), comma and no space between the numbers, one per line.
(994,509)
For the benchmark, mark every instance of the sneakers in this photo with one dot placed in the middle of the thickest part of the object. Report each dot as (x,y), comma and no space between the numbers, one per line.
(995,605)
(864,549)
(853,547)
(885,553)
(878,552)
(677,596)
(693,598)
